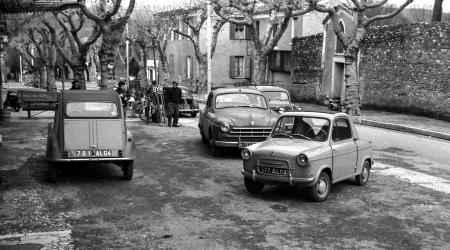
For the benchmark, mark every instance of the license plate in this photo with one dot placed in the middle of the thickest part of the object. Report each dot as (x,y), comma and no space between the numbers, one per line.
(272,171)
(98,153)
(245,144)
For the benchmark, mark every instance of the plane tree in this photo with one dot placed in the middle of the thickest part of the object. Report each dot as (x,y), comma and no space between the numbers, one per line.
(244,12)
(79,38)
(112,25)
(352,41)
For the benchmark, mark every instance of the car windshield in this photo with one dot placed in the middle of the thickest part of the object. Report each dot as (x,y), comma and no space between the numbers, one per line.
(184,92)
(91,109)
(276,96)
(302,127)
(234,100)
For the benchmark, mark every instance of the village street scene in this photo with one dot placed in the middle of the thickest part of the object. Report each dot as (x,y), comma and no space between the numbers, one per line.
(224,124)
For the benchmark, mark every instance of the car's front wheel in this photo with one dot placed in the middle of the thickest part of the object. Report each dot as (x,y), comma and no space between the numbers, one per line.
(253,186)
(128,170)
(363,178)
(213,149)
(320,190)
(52,172)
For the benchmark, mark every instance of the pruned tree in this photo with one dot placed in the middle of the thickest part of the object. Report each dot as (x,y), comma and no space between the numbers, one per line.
(352,43)
(437,11)
(192,20)
(23,48)
(112,25)
(244,12)
(73,23)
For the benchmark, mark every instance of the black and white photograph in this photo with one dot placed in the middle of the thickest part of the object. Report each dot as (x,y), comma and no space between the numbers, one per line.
(224,124)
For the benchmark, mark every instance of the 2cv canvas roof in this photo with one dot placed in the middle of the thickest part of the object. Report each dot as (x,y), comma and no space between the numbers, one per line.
(90,96)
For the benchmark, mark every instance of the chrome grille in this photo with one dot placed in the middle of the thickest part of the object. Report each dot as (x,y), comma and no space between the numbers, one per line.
(275,163)
(250,131)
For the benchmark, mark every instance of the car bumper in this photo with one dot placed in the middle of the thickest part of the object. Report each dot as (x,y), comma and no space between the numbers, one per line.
(89,159)
(269,179)
(189,110)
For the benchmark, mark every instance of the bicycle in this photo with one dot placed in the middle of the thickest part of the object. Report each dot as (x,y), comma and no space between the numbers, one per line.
(144,110)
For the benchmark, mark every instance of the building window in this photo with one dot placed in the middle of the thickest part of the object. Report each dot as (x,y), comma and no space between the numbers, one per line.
(189,67)
(339,43)
(239,67)
(280,61)
(239,32)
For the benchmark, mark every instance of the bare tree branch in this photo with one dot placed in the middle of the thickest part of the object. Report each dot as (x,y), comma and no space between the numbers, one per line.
(367,22)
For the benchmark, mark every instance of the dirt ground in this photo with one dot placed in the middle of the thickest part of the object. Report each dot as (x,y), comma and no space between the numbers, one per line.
(183,198)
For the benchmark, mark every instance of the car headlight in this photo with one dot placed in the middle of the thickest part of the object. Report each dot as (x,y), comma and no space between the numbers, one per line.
(280,110)
(225,127)
(302,160)
(246,154)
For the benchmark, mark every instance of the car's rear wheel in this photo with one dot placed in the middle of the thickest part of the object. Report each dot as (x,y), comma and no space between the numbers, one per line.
(253,186)
(52,172)
(363,178)
(320,190)
(128,170)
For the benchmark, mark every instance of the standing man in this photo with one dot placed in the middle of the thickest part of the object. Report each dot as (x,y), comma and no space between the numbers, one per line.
(173,100)
(123,96)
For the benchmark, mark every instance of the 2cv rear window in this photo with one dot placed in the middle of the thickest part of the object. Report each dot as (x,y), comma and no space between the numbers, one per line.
(92,109)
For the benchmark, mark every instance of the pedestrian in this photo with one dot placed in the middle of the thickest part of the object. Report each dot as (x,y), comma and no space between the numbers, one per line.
(75,85)
(123,96)
(173,101)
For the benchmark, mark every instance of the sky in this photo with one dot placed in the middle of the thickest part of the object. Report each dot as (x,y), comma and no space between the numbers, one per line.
(416,3)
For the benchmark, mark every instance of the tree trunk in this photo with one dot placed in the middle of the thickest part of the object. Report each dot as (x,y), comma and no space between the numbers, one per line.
(352,100)
(107,54)
(142,74)
(78,74)
(51,85)
(42,77)
(260,69)
(437,11)
(203,77)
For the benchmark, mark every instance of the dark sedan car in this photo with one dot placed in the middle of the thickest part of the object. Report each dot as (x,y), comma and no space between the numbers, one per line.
(235,117)
(278,98)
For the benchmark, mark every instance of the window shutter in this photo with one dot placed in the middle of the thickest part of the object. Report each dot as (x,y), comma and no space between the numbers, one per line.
(232,67)
(248,34)
(232,27)
(247,67)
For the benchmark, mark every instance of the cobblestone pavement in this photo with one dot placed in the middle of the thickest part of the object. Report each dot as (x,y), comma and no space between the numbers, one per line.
(40,240)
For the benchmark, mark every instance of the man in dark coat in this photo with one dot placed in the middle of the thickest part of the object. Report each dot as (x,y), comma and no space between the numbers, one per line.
(173,100)
(123,96)
(75,85)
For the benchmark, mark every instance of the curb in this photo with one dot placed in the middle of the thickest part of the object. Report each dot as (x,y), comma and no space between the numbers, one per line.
(402,128)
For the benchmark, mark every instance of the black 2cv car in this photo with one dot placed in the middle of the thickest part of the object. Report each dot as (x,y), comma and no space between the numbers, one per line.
(89,126)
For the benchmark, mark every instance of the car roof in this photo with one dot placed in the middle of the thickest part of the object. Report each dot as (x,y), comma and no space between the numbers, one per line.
(234,90)
(269,88)
(90,95)
(321,114)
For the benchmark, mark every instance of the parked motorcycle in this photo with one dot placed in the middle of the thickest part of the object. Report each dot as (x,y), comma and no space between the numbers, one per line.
(12,100)
(334,104)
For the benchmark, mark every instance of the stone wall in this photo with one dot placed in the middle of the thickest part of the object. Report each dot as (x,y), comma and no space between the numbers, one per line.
(404,68)
(407,68)
(306,68)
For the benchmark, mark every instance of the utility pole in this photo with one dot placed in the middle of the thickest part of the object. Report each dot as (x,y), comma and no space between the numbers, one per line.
(20,68)
(208,46)
(128,64)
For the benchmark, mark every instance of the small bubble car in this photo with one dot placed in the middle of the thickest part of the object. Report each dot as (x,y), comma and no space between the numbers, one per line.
(89,126)
(308,149)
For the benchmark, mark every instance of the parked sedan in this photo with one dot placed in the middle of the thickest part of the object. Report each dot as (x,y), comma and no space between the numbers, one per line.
(278,98)
(235,117)
(89,126)
(308,149)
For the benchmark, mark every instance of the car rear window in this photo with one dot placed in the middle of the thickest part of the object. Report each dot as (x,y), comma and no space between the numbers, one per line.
(234,100)
(92,109)
(276,96)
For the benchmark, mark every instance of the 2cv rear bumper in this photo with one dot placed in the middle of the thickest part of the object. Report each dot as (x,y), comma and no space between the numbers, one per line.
(89,159)
(270,179)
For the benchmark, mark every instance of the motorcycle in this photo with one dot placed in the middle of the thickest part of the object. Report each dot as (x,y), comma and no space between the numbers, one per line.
(12,100)
(334,104)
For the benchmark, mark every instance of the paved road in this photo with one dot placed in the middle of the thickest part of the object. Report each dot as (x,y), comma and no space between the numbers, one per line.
(183,198)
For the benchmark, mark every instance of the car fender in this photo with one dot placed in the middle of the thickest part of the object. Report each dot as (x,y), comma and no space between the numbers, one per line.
(325,167)
(130,146)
